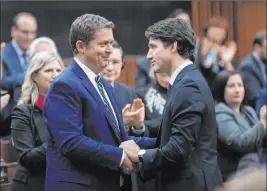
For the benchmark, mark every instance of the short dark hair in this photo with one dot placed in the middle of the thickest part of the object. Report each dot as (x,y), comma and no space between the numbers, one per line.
(84,28)
(259,37)
(115,44)
(175,30)
(219,85)
(177,12)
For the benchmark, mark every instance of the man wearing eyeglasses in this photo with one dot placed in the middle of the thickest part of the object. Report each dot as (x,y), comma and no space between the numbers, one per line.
(15,55)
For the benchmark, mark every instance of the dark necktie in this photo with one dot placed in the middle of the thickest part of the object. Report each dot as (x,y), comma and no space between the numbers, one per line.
(108,107)
(24,56)
(169,90)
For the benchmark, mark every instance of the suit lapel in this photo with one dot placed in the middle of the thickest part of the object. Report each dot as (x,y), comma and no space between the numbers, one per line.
(39,123)
(91,89)
(177,79)
(109,89)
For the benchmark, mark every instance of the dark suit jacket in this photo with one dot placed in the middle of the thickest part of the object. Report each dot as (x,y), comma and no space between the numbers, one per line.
(186,157)
(13,72)
(82,151)
(142,78)
(239,134)
(28,132)
(250,69)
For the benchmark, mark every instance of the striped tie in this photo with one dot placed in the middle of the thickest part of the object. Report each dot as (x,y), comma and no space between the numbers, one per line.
(109,107)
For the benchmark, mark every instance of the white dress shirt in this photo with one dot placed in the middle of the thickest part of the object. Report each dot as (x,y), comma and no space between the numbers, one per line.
(177,71)
(91,75)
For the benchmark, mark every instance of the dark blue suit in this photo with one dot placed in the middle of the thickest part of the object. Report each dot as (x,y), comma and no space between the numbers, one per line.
(13,72)
(82,152)
(186,157)
(253,73)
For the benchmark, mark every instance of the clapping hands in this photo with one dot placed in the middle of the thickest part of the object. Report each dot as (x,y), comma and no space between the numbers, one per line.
(135,115)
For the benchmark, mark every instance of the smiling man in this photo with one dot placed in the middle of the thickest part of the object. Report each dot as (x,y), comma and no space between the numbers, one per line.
(85,126)
(186,153)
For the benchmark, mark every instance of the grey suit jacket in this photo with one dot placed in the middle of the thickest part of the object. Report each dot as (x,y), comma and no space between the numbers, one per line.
(239,134)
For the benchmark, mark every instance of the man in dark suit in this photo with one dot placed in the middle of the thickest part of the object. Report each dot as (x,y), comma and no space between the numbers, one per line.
(186,153)
(253,68)
(143,78)
(85,126)
(16,54)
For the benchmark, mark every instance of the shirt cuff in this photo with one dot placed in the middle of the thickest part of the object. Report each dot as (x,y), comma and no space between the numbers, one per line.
(122,158)
(139,131)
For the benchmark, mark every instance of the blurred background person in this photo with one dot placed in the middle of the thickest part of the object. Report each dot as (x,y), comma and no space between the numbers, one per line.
(214,51)
(16,53)
(240,131)
(28,128)
(154,98)
(142,78)
(42,44)
(181,14)
(253,68)
(253,181)
(125,95)
(6,104)
(261,100)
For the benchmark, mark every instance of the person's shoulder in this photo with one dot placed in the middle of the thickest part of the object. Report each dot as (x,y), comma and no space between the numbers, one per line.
(222,107)
(249,109)
(22,109)
(8,48)
(124,86)
(66,77)
(246,62)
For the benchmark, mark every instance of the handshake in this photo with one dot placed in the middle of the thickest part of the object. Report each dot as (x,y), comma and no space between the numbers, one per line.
(130,161)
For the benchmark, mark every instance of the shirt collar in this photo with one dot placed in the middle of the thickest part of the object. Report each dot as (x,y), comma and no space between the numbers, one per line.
(18,50)
(177,71)
(91,75)
(257,58)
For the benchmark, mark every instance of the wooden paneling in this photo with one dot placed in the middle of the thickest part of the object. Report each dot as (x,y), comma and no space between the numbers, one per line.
(251,17)
(128,73)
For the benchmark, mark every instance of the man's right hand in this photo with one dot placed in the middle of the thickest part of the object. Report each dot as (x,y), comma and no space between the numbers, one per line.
(127,166)
(131,149)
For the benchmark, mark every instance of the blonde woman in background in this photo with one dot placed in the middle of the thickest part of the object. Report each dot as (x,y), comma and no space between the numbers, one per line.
(28,127)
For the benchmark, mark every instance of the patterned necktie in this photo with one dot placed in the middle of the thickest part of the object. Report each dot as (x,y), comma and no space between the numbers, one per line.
(24,56)
(108,107)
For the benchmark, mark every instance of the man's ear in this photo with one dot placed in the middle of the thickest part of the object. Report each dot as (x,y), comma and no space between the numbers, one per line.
(80,46)
(174,47)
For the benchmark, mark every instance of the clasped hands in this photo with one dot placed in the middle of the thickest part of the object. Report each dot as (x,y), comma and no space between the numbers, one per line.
(130,162)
